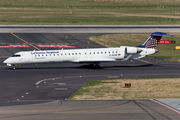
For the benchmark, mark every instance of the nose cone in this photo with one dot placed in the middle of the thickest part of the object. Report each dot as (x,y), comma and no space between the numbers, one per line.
(6,61)
(156,50)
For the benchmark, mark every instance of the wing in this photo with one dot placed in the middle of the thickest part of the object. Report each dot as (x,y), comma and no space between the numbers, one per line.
(93,60)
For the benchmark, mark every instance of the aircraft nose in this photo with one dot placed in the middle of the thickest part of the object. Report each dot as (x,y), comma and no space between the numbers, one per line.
(5,61)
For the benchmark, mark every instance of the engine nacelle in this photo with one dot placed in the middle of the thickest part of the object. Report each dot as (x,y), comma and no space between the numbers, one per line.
(133,50)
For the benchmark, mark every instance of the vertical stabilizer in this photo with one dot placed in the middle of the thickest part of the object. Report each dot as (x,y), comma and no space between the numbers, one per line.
(153,40)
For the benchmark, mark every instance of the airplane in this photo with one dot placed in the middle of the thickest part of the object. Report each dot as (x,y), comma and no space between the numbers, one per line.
(92,56)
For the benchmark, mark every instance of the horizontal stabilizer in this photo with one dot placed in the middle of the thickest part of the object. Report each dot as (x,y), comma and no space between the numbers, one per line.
(161,34)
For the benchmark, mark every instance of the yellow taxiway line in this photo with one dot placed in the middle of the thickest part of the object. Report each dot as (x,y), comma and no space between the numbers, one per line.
(24,41)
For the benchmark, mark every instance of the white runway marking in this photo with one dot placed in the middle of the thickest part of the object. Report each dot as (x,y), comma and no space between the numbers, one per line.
(59,83)
(44,80)
(61,89)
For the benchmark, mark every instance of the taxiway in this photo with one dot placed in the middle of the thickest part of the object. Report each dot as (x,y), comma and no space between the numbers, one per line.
(42,83)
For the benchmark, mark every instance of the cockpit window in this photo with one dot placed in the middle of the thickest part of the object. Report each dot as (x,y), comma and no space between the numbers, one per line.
(16,56)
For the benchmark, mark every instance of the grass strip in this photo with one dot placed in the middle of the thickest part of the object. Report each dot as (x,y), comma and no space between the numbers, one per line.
(156,88)
(89,12)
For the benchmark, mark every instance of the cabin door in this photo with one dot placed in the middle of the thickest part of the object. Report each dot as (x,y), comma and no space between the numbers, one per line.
(27,57)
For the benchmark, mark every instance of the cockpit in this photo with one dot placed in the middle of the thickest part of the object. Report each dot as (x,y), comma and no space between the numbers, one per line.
(13,59)
(16,55)
(17,58)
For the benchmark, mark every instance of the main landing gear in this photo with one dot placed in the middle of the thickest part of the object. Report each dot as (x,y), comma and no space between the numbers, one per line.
(94,65)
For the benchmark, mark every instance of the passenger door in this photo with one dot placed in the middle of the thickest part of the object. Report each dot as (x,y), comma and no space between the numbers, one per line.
(26,56)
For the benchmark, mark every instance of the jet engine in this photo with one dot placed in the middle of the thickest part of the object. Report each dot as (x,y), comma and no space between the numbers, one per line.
(132,50)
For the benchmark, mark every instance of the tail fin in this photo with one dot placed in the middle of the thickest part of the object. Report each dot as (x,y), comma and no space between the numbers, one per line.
(152,41)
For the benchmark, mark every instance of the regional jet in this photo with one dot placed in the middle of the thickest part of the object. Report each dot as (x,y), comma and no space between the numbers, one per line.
(92,56)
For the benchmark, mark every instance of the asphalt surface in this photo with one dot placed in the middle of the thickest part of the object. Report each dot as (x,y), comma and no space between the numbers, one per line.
(88,28)
(32,84)
(88,110)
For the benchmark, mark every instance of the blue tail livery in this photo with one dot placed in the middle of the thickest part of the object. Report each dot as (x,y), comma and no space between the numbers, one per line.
(152,41)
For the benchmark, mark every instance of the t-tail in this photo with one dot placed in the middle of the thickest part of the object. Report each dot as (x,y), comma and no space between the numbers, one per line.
(153,40)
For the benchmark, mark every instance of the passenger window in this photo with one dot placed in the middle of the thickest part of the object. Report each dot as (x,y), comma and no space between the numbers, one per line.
(38,55)
(90,53)
(101,52)
(35,55)
(79,53)
(116,51)
(112,51)
(61,54)
(97,52)
(69,54)
(94,52)
(105,52)
(72,53)
(57,54)
(46,55)
(76,53)
(65,53)
(109,52)
(42,55)
(85,53)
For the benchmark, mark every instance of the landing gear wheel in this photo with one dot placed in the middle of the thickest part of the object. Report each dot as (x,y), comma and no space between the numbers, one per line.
(13,67)
(97,66)
(91,65)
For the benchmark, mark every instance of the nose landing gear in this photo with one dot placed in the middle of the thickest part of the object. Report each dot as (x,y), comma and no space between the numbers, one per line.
(13,67)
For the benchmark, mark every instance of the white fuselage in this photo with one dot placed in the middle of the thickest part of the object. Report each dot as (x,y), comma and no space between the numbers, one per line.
(93,55)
